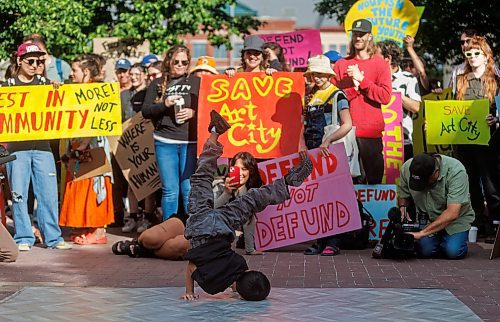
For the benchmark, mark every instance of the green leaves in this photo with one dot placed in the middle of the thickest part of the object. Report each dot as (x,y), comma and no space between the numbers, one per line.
(69,25)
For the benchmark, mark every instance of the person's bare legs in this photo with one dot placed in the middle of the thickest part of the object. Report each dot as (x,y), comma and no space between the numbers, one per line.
(166,239)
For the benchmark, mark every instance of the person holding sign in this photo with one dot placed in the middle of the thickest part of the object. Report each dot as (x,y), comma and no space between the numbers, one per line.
(212,262)
(407,85)
(478,82)
(253,58)
(366,80)
(87,203)
(35,163)
(171,102)
(438,186)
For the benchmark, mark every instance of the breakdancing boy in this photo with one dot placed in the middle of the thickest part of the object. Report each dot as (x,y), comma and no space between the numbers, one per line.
(212,262)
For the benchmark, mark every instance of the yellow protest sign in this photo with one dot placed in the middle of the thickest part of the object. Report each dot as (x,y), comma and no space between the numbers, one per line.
(420,144)
(391,19)
(75,110)
(457,122)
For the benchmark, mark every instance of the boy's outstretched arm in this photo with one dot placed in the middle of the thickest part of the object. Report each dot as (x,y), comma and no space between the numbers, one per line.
(190,295)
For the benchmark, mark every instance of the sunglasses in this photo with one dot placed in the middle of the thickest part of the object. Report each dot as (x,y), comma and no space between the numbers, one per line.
(463,42)
(252,52)
(473,53)
(183,62)
(34,61)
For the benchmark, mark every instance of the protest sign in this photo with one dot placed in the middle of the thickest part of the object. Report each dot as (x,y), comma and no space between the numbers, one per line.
(323,205)
(457,122)
(377,199)
(297,46)
(97,165)
(134,151)
(391,19)
(419,142)
(42,112)
(264,112)
(393,138)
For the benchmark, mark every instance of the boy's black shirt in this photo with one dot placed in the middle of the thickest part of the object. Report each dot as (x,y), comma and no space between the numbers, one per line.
(217,265)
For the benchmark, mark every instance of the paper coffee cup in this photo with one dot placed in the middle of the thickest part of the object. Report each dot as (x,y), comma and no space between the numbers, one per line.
(473,234)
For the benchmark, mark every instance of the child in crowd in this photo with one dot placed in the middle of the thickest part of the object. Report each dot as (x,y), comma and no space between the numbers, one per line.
(212,262)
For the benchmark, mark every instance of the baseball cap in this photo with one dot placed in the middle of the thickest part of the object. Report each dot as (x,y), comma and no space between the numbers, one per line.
(253,42)
(149,59)
(421,169)
(333,55)
(361,25)
(123,63)
(28,48)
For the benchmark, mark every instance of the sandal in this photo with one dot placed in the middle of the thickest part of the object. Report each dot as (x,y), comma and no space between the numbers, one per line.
(330,251)
(121,247)
(90,239)
(135,250)
(313,250)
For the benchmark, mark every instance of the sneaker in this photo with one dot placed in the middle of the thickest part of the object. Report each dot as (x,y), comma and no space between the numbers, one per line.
(218,123)
(296,176)
(62,245)
(143,225)
(24,247)
(130,225)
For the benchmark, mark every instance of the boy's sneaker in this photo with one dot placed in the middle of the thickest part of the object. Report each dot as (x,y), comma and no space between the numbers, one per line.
(299,173)
(129,226)
(24,247)
(63,246)
(218,123)
(143,225)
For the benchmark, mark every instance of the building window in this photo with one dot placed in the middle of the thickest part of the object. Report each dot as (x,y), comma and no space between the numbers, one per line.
(220,52)
(199,50)
(333,47)
(343,50)
(237,49)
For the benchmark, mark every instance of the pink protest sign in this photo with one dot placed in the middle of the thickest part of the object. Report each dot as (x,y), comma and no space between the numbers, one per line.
(297,46)
(324,205)
(393,139)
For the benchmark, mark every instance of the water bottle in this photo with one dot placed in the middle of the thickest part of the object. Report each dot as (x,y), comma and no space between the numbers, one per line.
(179,104)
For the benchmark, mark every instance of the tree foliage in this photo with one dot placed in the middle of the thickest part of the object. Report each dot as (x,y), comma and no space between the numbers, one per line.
(69,25)
(441,25)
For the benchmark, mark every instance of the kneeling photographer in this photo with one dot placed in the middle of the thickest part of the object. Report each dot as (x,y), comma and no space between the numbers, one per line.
(438,187)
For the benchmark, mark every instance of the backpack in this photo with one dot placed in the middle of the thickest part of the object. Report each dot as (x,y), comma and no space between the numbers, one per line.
(358,239)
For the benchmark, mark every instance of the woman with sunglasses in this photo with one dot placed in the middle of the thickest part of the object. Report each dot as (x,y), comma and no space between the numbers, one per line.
(480,82)
(171,102)
(87,203)
(34,163)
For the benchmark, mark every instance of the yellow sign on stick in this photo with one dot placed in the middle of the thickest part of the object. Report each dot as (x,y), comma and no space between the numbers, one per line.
(75,110)
(391,19)
(457,122)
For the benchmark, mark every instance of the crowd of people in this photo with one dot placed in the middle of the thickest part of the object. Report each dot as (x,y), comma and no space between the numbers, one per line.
(343,95)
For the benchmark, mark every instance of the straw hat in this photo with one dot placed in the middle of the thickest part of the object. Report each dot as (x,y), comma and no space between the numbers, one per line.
(205,63)
(319,64)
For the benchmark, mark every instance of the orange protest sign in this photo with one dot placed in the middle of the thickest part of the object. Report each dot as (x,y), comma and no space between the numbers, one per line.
(264,112)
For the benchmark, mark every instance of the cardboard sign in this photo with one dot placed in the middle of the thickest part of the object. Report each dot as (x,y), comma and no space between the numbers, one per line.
(135,153)
(419,142)
(323,205)
(98,165)
(457,122)
(393,139)
(297,46)
(377,199)
(42,112)
(391,20)
(264,112)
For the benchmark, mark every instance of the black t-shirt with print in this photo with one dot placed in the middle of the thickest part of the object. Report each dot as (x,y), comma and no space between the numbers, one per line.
(40,145)
(163,117)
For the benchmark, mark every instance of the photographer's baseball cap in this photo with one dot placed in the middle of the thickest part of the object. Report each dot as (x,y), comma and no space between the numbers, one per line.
(28,48)
(149,59)
(123,63)
(361,25)
(421,169)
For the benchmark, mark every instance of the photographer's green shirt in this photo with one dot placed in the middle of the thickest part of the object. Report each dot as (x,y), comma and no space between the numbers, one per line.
(452,187)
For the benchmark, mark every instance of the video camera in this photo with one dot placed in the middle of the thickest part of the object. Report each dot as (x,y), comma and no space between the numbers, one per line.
(396,242)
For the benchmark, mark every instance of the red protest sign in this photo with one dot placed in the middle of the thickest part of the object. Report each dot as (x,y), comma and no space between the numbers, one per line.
(264,112)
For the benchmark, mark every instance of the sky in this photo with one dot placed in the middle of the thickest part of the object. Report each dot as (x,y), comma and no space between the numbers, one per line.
(301,10)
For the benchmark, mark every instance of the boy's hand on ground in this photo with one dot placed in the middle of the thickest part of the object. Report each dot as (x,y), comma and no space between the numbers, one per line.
(190,296)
